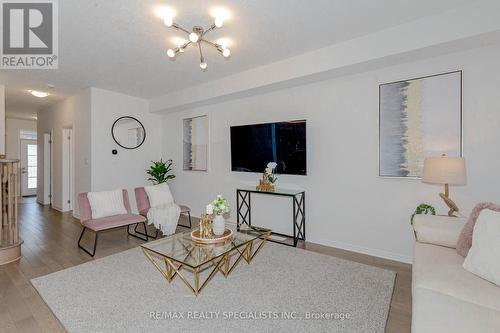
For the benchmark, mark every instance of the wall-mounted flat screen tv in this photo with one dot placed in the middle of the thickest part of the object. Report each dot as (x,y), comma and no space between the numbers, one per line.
(253,146)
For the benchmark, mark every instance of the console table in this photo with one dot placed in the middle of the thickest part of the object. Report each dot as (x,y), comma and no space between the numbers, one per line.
(244,214)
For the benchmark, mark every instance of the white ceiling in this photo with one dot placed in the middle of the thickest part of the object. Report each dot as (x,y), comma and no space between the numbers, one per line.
(121,45)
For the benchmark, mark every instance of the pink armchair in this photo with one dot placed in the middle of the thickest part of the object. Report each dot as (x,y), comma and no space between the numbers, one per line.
(143,207)
(109,222)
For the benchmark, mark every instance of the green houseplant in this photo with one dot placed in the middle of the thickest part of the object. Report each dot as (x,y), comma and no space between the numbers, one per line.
(160,171)
(423,209)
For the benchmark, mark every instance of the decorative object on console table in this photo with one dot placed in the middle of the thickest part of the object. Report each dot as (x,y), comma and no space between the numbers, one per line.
(160,171)
(268,181)
(244,214)
(10,243)
(416,118)
(448,171)
(220,207)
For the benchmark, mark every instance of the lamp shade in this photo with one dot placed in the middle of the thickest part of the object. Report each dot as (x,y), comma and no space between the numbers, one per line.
(444,170)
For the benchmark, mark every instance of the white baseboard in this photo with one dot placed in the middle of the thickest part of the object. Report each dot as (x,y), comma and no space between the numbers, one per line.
(59,209)
(364,250)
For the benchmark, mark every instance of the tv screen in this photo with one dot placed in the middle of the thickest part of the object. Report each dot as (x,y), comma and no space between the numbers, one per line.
(253,146)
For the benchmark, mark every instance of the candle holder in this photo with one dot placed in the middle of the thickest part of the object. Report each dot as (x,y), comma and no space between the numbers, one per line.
(206,226)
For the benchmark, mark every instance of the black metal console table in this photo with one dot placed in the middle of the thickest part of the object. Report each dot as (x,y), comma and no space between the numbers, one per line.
(244,215)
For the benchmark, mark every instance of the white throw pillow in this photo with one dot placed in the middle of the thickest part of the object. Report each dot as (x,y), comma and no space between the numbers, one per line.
(483,258)
(106,203)
(159,195)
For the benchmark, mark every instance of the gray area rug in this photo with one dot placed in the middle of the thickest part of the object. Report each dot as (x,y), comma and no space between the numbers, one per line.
(284,289)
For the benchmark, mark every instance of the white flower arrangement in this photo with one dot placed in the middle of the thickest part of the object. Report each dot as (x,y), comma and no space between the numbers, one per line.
(219,206)
(269,172)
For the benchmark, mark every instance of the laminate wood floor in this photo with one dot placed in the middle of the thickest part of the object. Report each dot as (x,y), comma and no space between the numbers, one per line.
(50,239)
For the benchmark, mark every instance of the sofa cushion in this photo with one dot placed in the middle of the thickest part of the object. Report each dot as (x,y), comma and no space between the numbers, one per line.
(114,221)
(434,312)
(484,255)
(465,239)
(106,203)
(440,269)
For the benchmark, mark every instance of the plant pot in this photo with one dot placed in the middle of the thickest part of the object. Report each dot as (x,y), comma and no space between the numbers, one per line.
(218,225)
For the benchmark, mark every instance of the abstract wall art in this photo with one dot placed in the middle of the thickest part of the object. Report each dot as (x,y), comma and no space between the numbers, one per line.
(418,118)
(195,143)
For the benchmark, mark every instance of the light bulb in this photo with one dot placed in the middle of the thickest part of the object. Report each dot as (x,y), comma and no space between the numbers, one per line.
(41,94)
(168,21)
(193,37)
(226,53)
(203,65)
(171,53)
(218,22)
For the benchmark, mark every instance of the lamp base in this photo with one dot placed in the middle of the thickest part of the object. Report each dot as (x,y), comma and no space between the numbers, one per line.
(447,200)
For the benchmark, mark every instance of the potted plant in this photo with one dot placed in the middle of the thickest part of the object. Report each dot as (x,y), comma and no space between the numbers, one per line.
(423,208)
(160,171)
(219,207)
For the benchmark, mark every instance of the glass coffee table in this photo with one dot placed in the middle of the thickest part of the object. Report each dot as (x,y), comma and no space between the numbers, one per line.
(179,252)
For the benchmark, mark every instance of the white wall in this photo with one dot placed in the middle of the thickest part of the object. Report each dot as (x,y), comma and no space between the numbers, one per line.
(2,120)
(13,128)
(348,205)
(73,112)
(91,114)
(127,168)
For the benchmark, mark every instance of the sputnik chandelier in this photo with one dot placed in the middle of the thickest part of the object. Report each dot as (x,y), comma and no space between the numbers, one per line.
(196,38)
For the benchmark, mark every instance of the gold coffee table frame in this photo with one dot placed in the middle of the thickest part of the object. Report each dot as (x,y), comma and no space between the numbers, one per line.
(196,258)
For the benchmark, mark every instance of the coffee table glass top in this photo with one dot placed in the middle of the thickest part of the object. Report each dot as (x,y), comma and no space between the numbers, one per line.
(181,248)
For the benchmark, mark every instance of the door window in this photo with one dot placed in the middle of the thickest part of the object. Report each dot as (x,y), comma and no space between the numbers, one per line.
(32,166)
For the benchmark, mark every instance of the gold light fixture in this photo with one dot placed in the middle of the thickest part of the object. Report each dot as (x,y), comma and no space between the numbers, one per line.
(197,36)
(448,171)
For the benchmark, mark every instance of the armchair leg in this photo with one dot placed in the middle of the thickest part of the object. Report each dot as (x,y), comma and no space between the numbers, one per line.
(95,242)
(145,234)
(189,218)
(139,233)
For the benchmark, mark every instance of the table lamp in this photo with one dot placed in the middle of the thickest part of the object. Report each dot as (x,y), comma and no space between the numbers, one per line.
(448,171)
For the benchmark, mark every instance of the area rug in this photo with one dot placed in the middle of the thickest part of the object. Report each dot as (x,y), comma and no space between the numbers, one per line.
(284,289)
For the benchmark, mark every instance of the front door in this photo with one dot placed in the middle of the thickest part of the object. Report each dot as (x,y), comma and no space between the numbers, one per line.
(28,167)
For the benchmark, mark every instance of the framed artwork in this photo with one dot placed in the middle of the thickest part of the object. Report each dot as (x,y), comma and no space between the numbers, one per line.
(418,118)
(195,143)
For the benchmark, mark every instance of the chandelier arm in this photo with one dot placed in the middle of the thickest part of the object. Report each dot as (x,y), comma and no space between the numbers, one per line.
(212,27)
(202,59)
(178,27)
(210,43)
(183,46)
(217,46)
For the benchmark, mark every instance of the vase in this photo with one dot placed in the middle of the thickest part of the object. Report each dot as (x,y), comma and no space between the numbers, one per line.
(219,225)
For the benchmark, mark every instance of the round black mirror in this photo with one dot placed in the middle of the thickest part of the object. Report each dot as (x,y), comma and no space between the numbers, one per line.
(128,132)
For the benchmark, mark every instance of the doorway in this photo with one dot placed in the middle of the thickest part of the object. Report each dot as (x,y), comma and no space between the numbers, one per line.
(29,170)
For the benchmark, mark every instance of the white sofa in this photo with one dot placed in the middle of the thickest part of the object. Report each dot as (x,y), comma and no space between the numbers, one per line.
(446,297)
